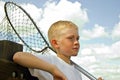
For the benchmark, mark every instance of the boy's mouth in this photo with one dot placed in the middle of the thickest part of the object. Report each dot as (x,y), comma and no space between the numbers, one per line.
(76,48)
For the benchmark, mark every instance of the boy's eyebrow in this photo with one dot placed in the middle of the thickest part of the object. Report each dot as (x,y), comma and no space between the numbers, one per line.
(73,35)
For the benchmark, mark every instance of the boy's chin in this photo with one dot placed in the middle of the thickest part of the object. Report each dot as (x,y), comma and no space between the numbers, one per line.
(75,54)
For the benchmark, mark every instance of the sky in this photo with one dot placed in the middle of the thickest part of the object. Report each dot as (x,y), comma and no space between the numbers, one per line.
(98,22)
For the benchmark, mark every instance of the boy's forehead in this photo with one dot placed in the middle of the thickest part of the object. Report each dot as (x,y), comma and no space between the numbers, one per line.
(63,27)
(69,30)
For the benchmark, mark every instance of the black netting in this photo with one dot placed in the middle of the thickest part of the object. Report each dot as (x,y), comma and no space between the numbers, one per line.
(19,27)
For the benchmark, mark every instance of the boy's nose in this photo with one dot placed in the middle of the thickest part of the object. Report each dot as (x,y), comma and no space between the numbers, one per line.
(76,42)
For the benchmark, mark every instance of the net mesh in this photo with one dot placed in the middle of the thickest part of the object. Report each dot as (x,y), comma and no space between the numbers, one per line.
(19,27)
(5,30)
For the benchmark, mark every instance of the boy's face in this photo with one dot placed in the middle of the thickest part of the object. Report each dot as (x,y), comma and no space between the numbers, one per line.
(68,44)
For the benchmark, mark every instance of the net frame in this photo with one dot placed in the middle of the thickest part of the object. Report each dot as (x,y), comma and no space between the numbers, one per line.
(90,76)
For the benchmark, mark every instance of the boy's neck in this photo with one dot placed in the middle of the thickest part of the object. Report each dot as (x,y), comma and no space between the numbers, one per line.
(65,58)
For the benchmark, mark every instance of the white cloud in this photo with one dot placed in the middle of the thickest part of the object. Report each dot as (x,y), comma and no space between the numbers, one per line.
(2,14)
(96,32)
(64,10)
(86,51)
(33,11)
(102,50)
(97,53)
(116,48)
(116,32)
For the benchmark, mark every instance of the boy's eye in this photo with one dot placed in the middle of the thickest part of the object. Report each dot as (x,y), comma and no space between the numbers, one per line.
(73,38)
(70,38)
(77,38)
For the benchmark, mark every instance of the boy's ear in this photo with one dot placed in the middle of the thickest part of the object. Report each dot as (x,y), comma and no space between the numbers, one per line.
(54,43)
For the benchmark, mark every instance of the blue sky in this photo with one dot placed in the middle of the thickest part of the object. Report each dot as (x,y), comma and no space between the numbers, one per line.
(98,21)
(103,12)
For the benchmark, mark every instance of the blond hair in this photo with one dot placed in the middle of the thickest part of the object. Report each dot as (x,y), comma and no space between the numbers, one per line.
(55,30)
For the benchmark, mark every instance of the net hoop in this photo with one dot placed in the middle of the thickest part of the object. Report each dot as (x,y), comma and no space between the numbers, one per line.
(7,4)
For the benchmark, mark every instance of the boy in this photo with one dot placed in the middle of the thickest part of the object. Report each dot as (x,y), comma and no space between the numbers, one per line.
(64,39)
